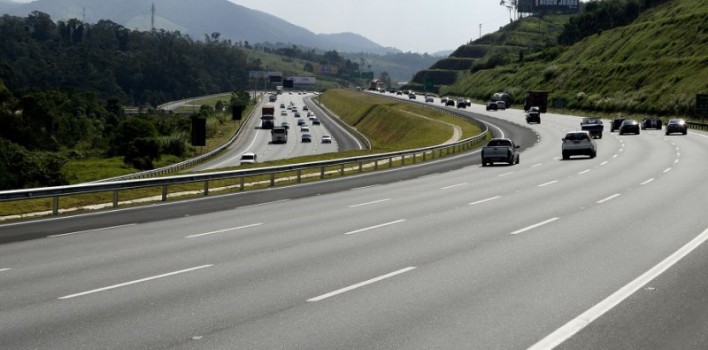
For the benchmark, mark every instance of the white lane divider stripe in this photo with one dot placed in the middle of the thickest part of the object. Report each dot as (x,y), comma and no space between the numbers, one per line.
(367,203)
(6,269)
(529,228)
(224,230)
(375,227)
(359,285)
(584,172)
(133,282)
(485,200)
(453,186)
(93,230)
(548,183)
(608,198)
(648,181)
(577,324)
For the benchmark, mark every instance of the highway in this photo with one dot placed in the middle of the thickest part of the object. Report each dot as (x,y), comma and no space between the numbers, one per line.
(603,253)
(257,140)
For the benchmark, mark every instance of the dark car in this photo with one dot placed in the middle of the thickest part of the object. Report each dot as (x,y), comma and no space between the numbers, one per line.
(615,125)
(461,103)
(651,123)
(533,115)
(492,106)
(676,125)
(450,102)
(629,126)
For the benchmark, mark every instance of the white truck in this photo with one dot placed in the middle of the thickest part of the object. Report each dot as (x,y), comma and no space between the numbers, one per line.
(279,134)
(500,150)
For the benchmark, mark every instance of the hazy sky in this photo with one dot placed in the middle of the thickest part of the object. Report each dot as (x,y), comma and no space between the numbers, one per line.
(410,25)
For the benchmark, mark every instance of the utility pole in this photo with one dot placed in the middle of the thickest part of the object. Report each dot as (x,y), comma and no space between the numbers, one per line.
(480,30)
(152,18)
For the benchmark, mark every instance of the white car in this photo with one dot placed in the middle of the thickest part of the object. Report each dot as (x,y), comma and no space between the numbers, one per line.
(304,128)
(249,158)
(578,143)
(326,139)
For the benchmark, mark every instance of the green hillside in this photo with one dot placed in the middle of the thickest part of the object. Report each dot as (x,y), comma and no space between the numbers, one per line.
(655,65)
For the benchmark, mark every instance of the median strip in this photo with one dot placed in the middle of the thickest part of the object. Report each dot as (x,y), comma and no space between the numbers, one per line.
(359,285)
(132,282)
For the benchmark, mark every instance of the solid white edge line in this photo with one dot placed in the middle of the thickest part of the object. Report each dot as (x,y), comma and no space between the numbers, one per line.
(224,230)
(577,324)
(262,204)
(94,230)
(367,203)
(358,285)
(375,227)
(608,198)
(534,226)
(646,182)
(133,282)
(453,186)
(485,200)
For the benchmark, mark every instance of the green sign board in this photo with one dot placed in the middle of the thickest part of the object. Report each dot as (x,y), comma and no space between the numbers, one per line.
(559,102)
(354,75)
(367,75)
(702,105)
(429,86)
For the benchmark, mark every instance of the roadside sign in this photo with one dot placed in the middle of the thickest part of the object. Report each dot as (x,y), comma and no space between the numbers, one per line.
(559,102)
(429,84)
(702,105)
(367,75)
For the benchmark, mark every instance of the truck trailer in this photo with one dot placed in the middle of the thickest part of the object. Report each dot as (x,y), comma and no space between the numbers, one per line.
(267,117)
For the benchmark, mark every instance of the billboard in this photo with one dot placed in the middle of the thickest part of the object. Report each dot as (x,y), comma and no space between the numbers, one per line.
(564,6)
(304,80)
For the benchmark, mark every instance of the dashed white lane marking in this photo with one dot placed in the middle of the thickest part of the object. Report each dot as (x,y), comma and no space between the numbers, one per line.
(603,163)
(5,269)
(368,203)
(548,183)
(648,181)
(375,227)
(453,186)
(529,228)
(94,230)
(608,198)
(584,172)
(224,230)
(537,165)
(615,156)
(134,282)
(262,204)
(485,200)
(365,187)
(667,170)
(359,285)
(506,174)
(577,324)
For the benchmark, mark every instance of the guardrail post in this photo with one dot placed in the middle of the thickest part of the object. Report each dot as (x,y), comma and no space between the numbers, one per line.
(403,159)
(55,205)
(272,180)
(376,164)
(361,166)
(424,154)
(206,188)
(115,199)
(341,170)
(322,172)
(414,158)
(164,193)
(299,175)
(242,183)
(390,162)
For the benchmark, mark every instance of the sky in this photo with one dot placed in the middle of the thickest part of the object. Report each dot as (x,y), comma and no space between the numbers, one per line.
(411,25)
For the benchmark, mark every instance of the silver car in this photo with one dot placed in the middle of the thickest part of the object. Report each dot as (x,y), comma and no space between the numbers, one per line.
(578,143)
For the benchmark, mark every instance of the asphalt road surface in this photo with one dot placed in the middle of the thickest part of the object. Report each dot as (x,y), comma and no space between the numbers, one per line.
(602,253)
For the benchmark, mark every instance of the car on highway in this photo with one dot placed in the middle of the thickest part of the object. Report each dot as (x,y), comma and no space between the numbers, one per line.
(492,106)
(249,158)
(501,105)
(301,122)
(444,100)
(411,96)
(326,139)
(304,128)
(306,137)
(450,102)
(429,99)
(461,103)
(304,108)
(500,150)
(283,113)
(468,102)
(286,125)
(616,123)
(533,115)
(316,121)
(282,106)
(676,126)
(651,123)
(593,125)
(629,126)
(578,143)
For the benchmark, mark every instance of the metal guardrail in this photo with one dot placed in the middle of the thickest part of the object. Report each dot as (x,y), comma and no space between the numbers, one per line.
(697,126)
(117,185)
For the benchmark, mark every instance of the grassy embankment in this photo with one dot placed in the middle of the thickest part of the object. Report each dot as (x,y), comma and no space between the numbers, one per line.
(390,126)
(656,65)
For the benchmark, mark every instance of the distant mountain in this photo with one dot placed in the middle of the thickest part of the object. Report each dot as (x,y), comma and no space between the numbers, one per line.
(197,18)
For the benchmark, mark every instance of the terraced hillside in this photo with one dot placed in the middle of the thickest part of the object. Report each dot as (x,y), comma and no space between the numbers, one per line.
(654,65)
